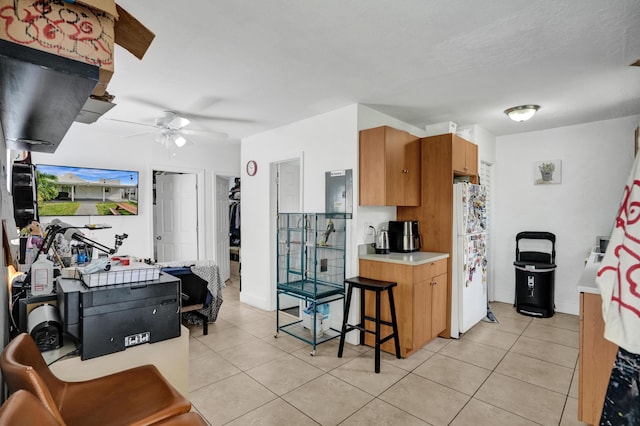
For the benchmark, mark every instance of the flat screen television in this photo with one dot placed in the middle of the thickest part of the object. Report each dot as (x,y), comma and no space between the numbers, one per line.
(83,191)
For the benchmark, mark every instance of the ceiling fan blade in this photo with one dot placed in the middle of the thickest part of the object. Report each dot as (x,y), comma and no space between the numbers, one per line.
(138,134)
(147,102)
(131,122)
(195,116)
(204,103)
(216,135)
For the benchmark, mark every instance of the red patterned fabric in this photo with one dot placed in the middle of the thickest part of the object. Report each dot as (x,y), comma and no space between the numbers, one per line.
(619,275)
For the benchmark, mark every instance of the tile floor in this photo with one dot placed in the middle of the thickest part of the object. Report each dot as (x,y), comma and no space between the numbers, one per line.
(520,371)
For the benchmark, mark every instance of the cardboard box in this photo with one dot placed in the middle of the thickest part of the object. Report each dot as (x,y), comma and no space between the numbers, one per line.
(84,30)
(440,128)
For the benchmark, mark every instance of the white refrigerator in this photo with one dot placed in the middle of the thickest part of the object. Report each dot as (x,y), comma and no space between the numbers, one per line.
(469,262)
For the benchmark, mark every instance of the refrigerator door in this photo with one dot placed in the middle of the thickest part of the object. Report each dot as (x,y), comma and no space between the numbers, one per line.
(473,285)
(469,263)
(471,216)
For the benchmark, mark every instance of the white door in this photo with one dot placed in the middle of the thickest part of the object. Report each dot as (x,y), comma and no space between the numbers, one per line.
(289,187)
(177,215)
(289,202)
(222,227)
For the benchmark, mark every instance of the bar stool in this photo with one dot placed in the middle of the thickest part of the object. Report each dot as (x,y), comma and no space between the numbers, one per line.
(368,284)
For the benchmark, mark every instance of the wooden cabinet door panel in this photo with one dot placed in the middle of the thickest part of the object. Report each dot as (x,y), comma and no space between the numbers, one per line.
(372,161)
(596,359)
(459,156)
(421,313)
(471,159)
(395,176)
(412,176)
(438,304)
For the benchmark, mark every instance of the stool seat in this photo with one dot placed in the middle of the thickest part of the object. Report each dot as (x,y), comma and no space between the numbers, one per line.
(377,286)
(369,283)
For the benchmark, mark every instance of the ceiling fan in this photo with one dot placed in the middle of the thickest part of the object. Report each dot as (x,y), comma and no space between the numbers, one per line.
(171,130)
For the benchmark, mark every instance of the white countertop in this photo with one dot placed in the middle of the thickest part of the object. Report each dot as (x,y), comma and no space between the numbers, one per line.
(587,281)
(415,258)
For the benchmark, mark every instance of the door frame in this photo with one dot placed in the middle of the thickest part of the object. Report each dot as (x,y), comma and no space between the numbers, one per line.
(201,230)
(273,211)
(216,236)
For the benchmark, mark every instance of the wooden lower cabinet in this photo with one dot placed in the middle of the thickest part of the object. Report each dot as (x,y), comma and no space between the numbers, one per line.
(420,299)
(596,359)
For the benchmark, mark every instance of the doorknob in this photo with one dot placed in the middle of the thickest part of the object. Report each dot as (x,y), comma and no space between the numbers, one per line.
(159,237)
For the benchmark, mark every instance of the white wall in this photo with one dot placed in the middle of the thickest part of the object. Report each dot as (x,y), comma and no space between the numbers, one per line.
(323,143)
(596,160)
(92,146)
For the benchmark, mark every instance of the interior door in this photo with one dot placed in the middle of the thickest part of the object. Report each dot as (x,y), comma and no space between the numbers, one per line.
(222,227)
(177,216)
(289,202)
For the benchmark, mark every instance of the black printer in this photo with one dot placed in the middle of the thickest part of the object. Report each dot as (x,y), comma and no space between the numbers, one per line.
(110,318)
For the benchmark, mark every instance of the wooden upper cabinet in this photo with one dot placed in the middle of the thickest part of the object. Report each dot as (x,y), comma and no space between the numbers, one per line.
(389,167)
(465,156)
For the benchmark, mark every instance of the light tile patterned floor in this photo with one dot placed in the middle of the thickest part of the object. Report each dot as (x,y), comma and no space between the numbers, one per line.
(520,371)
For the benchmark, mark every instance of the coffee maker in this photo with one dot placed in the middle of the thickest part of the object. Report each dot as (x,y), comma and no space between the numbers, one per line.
(404,236)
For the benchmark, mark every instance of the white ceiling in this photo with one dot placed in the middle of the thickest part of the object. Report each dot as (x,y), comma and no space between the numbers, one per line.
(260,64)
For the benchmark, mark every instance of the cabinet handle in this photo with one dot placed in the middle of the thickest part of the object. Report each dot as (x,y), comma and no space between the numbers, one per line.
(405,171)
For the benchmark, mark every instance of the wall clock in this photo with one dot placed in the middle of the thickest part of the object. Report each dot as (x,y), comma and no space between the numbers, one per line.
(252,168)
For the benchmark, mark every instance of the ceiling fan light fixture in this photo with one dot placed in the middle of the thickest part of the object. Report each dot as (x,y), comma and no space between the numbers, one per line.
(179,141)
(521,112)
(179,122)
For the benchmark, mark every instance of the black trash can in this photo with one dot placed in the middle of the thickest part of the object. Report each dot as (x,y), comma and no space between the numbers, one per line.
(535,277)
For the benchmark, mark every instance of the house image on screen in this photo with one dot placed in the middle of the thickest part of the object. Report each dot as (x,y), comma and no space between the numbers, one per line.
(73,188)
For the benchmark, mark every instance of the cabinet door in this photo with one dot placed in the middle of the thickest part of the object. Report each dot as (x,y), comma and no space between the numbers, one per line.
(596,359)
(471,158)
(422,302)
(459,155)
(438,304)
(372,165)
(412,174)
(464,156)
(395,175)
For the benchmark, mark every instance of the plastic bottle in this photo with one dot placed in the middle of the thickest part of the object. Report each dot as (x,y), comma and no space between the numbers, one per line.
(41,277)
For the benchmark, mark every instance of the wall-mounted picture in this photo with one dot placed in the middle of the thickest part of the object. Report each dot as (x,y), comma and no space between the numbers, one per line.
(547,172)
(83,191)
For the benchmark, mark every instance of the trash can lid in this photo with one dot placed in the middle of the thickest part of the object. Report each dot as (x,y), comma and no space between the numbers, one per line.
(533,265)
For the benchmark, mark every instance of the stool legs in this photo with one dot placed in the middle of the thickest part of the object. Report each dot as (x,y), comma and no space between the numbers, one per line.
(394,323)
(344,322)
(377,331)
(365,284)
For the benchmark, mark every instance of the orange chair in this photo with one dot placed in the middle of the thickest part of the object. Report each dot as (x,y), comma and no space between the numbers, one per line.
(24,409)
(137,396)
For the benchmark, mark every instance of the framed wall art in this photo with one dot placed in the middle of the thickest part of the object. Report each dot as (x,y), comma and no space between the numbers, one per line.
(547,172)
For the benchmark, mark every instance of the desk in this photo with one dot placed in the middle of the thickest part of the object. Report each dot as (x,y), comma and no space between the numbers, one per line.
(170,356)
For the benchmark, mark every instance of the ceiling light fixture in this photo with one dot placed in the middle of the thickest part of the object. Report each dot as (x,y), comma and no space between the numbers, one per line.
(522,112)
(179,141)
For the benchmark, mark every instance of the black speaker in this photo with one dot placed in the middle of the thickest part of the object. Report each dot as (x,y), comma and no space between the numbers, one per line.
(25,196)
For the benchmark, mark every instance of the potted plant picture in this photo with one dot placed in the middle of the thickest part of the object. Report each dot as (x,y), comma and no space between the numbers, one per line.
(547,172)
